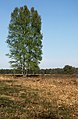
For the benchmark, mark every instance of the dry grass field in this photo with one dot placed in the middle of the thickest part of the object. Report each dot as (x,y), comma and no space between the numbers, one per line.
(46,97)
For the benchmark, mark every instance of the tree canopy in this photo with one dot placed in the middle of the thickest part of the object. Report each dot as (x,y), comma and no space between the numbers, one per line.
(25,39)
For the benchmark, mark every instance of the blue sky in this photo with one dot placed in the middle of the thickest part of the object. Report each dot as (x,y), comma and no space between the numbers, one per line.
(59,28)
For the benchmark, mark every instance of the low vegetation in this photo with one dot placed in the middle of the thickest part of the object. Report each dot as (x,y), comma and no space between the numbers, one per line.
(65,70)
(39,98)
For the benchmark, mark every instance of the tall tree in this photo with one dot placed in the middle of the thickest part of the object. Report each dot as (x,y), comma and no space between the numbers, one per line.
(25,39)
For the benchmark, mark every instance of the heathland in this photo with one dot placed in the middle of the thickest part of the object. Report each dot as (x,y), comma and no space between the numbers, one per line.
(42,97)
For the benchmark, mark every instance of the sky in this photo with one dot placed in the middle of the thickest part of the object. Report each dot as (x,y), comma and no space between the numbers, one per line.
(59,28)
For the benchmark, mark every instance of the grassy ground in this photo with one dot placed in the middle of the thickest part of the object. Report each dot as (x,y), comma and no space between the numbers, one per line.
(39,98)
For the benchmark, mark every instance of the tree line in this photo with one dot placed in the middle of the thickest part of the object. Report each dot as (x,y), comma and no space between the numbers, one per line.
(66,70)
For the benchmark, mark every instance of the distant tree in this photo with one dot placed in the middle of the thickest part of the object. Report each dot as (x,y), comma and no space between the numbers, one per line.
(25,39)
(69,69)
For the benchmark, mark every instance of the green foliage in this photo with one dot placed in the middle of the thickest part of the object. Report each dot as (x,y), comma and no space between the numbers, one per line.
(69,69)
(25,39)
(66,70)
